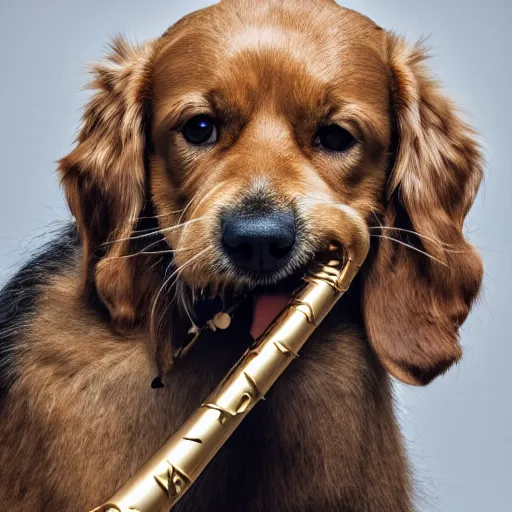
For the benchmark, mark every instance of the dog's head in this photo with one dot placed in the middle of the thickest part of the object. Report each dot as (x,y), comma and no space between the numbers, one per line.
(246,138)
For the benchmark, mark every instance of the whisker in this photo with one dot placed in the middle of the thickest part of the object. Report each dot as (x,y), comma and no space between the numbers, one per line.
(149,253)
(181,293)
(206,196)
(157,262)
(377,218)
(176,273)
(161,215)
(146,252)
(148,217)
(155,229)
(168,279)
(162,230)
(433,240)
(188,205)
(142,251)
(190,260)
(391,228)
(154,328)
(201,201)
(158,216)
(411,247)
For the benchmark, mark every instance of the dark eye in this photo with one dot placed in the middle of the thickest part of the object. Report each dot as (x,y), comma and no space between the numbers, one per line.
(200,130)
(335,138)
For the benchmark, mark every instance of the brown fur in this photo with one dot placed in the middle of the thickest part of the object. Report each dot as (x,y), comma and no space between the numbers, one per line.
(80,417)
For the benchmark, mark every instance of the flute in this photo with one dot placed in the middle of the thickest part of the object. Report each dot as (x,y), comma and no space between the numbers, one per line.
(168,474)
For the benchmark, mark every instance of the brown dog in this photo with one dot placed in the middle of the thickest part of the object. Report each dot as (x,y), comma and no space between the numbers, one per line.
(216,161)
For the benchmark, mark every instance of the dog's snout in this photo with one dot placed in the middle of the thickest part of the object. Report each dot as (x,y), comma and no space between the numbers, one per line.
(261,242)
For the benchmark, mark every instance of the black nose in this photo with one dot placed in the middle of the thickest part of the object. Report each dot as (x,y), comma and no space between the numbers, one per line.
(260,243)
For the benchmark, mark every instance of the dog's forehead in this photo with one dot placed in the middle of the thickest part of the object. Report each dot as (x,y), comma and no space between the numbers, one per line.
(291,47)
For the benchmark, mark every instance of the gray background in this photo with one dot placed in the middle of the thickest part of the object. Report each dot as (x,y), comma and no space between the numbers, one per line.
(459,429)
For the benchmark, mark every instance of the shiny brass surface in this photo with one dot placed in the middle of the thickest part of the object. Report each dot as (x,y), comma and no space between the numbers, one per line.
(167,476)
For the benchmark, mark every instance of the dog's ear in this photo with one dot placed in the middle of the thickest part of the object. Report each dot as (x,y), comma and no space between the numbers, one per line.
(104,176)
(415,302)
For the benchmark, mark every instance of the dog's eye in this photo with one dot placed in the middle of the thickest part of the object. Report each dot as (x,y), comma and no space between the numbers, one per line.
(200,130)
(334,138)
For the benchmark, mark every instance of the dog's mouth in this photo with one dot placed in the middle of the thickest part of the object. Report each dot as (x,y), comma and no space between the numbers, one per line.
(250,311)
(253,310)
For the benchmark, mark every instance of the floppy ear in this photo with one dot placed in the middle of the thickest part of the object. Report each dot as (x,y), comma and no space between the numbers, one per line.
(414,303)
(103,177)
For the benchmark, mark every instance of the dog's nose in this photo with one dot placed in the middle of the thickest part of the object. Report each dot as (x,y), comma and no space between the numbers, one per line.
(260,243)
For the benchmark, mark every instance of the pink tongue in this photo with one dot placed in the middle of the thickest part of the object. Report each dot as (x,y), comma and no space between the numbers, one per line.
(266,308)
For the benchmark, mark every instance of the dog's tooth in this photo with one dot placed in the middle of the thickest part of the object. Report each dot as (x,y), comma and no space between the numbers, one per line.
(193,330)
(222,320)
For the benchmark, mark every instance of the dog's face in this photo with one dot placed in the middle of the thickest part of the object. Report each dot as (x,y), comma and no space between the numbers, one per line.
(256,134)
(267,141)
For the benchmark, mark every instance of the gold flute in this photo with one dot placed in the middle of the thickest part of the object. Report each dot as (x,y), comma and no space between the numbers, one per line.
(170,472)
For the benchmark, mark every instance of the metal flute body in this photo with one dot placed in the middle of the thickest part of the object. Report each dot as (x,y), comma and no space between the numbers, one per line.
(170,472)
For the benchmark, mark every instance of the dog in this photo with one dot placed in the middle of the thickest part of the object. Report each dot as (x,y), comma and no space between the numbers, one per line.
(213,164)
